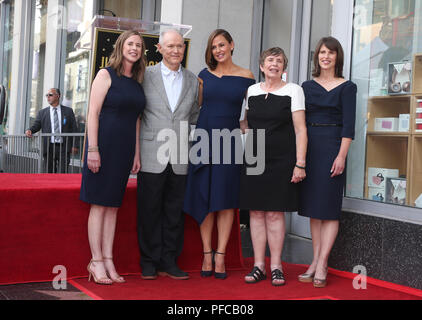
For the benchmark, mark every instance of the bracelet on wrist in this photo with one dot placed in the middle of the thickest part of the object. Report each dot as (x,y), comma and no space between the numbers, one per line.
(93,149)
(300,167)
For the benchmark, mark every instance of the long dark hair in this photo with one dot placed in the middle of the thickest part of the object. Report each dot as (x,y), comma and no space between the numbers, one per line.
(209,58)
(334,45)
(116,58)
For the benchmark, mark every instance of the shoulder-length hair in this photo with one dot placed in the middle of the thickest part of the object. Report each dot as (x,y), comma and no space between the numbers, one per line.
(116,58)
(276,51)
(334,45)
(209,58)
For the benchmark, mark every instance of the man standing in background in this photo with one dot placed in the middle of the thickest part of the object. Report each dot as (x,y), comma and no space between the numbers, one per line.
(55,119)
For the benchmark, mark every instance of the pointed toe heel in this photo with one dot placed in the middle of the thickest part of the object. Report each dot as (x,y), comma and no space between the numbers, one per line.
(220,275)
(208,273)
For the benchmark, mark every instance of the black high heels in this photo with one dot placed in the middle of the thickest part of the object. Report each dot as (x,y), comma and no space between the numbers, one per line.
(206,274)
(220,275)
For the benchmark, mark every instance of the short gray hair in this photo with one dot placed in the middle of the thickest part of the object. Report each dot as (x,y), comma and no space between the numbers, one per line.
(165,31)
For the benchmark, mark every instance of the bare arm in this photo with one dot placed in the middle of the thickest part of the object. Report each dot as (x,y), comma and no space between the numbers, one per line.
(244,123)
(201,89)
(137,159)
(100,86)
(301,145)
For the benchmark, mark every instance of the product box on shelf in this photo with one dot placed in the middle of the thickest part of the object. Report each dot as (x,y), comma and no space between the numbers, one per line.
(395,190)
(377,194)
(418,201)
(399,78)
(404,122)
(386,124)
(377,176)
(418,116)
(418,125)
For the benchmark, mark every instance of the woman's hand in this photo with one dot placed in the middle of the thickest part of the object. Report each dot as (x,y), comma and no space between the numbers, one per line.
(136,164)
(298,175)
(244,126)
(338,166)
(94,161)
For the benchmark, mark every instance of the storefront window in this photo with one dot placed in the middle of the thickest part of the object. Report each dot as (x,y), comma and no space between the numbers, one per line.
(6,58)
(384,160)
(76,64)
(277,26)
(322,10)
(38,59)
(123,8)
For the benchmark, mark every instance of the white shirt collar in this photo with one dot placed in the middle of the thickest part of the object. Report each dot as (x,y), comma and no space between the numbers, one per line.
(52,108)
(166,71)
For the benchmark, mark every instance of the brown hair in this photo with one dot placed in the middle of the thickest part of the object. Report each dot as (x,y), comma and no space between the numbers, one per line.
(116,58)
(334,45)
(276,51)
(209,58)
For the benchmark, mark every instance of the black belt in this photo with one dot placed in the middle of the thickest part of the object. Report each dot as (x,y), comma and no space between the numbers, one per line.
(325,124)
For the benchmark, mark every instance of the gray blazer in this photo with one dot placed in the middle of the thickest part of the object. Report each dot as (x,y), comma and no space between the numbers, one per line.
(158,118)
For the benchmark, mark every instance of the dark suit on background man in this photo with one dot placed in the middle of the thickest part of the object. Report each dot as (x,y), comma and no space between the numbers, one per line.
(56,150)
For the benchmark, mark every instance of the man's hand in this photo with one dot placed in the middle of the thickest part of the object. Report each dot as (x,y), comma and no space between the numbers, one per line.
(28,133)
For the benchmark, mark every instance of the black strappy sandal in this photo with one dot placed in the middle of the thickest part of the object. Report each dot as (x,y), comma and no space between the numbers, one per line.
(257,274)
(276,274)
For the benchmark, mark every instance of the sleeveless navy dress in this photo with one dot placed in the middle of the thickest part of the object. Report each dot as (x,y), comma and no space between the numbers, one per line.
(123,105)
(213,185)
(321,196)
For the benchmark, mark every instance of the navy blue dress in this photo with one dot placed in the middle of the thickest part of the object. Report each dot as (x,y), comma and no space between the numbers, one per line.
(213,184)
(122,107)
(321,196)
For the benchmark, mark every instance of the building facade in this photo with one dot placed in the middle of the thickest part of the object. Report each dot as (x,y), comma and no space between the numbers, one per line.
(381,225)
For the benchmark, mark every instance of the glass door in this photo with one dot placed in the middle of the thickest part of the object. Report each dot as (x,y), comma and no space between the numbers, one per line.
(7,22)
(316,23)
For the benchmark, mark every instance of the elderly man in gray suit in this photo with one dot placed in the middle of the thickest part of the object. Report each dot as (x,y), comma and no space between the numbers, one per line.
(172,105)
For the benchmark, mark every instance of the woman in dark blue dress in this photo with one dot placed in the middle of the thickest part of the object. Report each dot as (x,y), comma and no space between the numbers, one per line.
(330,115)
(213,184)
(112,153)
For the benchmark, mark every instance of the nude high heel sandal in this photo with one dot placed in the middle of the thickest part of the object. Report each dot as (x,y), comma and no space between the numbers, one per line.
(119,278)
(105,281)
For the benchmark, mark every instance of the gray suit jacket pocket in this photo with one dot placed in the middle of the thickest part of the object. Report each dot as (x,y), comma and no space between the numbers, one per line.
(147,135)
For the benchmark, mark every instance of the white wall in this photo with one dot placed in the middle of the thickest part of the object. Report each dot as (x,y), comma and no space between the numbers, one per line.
(205,16)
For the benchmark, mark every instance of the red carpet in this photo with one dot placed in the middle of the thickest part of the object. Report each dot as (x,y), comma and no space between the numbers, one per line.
(44,224)
(234,288)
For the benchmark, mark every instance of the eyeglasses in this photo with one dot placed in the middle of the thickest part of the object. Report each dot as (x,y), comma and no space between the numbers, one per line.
(49,95)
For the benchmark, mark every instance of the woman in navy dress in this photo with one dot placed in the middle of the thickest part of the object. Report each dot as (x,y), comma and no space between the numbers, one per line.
(330,116)
(117,101)
(213,184)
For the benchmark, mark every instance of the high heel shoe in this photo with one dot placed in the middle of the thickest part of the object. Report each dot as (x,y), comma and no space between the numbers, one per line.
(206,274)
(306,277)
(105,281)
(220,275)
(321,283)
(119,278)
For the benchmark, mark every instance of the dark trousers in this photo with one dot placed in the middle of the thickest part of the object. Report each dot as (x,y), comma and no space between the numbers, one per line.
(160,218)
(57,159)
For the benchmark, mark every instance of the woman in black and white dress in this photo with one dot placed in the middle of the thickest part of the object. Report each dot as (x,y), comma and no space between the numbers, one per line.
(278,108)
